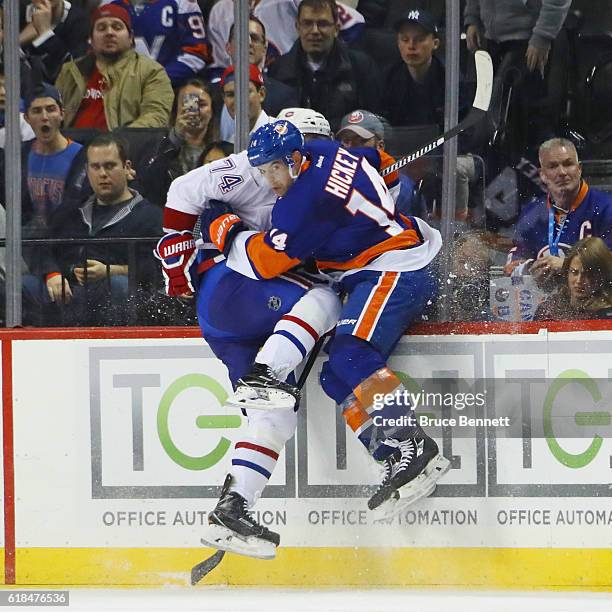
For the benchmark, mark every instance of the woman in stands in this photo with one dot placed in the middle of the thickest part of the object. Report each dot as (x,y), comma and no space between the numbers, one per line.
(195,125)
(587,289)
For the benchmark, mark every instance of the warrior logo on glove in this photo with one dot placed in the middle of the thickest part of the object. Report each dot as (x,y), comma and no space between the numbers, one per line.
(177,252)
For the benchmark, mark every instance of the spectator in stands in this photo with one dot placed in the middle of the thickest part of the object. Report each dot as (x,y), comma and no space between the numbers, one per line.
(278,18)
(53,165)
(551,224)
(414,93)
(586,292)
(195,123)
(98,273)
(364,129)
(414,90)
(328,76)
(257,94)
(114,86)
(171,32)
(53,180)
(519,35)
(278,95)
(24,126)
(216,150)
(54,31)
(25,67)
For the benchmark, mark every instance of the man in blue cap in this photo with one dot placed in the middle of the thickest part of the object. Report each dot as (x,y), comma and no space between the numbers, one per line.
(53,176)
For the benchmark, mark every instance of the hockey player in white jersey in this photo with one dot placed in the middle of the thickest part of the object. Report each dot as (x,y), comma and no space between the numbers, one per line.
(236,316)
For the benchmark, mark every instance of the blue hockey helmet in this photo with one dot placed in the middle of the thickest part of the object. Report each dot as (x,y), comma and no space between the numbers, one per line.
(277,140)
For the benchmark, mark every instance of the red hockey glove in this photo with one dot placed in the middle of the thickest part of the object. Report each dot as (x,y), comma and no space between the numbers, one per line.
(177,252)
(224,229)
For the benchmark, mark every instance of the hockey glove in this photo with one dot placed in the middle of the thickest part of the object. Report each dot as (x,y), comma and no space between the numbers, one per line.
(223,229)
(176,251)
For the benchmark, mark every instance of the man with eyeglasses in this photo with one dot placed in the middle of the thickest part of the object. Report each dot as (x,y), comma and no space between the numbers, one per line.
(327,76)
(278,19)
(278,95)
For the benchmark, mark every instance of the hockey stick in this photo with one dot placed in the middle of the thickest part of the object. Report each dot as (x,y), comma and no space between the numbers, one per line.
(480,106)
(204,568)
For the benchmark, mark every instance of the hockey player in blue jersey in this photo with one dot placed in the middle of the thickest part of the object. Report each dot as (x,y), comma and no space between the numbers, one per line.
(172,32)
(334,207)
(550,225)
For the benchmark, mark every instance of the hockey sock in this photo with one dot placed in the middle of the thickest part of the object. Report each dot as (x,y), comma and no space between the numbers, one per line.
(294,336)
(252,466)
(256,453)
(379,409)
(285,349)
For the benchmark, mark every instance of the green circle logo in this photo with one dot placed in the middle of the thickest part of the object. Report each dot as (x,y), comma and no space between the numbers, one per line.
(190,381)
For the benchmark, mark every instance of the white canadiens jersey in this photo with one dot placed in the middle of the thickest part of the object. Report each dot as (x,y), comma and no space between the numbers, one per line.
(278,17)
(232,180)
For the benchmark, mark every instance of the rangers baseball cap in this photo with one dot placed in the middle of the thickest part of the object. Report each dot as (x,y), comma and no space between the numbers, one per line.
(423,18)
(363,123)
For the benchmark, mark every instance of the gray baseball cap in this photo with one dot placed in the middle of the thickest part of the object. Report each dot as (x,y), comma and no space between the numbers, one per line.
(363,123)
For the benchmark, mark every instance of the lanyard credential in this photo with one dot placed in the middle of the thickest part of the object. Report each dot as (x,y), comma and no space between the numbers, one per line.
(553,243)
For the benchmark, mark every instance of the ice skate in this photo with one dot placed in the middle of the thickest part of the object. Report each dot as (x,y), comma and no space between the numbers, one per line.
(260,389)
(233,529)
(410,473)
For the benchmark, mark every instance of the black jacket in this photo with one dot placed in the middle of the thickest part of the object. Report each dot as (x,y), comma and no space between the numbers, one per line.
(347,81)
(137,218)
(407,102)
(68,41)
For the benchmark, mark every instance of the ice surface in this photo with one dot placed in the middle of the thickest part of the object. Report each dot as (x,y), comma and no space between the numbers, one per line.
(205,599)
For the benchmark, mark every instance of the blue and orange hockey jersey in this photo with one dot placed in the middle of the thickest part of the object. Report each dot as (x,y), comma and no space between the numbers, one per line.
(339,212)
(541,229)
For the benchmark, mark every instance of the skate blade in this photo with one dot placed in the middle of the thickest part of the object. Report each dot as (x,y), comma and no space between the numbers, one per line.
(422,486)
(224,539)
(247,398)
(390,508)
(425,484)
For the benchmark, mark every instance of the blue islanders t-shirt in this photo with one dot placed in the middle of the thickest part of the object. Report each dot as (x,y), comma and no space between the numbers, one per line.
(47,180)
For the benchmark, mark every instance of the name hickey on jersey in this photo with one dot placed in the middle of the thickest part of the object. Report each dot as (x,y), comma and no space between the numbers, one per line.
(342,174)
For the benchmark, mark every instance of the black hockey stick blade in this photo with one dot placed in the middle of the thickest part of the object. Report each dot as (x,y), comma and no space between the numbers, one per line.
(480,106)
(204,568)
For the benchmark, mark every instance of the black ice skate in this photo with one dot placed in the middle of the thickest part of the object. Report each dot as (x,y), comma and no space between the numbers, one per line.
(233,529)
(410,473)
(260,389)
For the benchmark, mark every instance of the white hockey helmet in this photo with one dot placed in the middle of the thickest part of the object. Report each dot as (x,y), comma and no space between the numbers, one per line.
(306,120)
